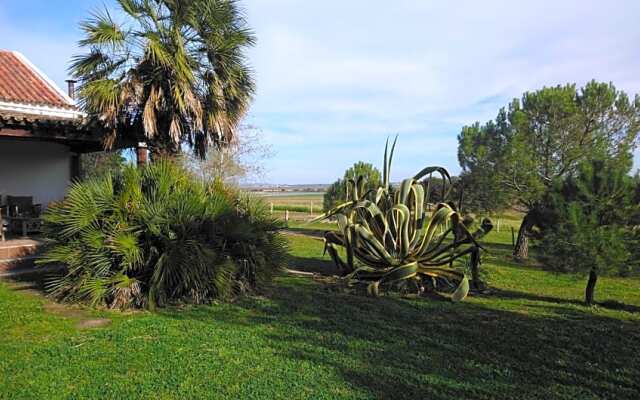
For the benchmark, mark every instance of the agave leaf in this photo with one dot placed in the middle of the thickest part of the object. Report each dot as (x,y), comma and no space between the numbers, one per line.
(404,216)
(372,289)
(461,291)
(405,189)
(402,272)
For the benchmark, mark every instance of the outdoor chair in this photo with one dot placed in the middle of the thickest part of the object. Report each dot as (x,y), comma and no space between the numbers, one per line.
(4,223)
(23,215)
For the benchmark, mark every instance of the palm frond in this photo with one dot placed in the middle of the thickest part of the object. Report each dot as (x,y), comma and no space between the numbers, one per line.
(177,74)
(149,237)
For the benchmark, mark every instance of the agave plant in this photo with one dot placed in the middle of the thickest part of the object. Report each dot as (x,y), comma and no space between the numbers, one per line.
(390,239)
(149,237)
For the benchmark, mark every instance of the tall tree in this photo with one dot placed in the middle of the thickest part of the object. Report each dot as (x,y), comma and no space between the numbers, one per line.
(544,137)
(173,73)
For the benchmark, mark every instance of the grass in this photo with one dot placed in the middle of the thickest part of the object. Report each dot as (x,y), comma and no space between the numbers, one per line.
(530,339)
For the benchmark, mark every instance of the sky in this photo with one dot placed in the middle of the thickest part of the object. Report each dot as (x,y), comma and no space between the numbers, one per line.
(335,78)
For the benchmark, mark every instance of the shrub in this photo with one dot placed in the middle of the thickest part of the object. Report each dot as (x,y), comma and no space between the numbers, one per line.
(149,237)
(589,225)
(391,241)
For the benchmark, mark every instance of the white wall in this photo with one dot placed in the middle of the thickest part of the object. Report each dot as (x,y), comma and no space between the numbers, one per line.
(38,169)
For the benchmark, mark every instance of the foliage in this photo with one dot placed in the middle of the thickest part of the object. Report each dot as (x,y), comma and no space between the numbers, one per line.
(173,73)
(515,159)
(481,193)
(336,193)
(100,163)
(390,239)
(149,237)
(588,228)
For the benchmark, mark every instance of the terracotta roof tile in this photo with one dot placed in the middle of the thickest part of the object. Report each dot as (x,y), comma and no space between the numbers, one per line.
(20,83)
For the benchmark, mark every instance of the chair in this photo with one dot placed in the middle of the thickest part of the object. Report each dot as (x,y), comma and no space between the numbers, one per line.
(4,223)
(23,215)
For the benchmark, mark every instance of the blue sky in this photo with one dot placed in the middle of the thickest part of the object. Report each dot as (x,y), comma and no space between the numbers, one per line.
(336,77)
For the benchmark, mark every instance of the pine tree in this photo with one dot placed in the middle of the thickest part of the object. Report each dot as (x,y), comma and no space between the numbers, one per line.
(589,227)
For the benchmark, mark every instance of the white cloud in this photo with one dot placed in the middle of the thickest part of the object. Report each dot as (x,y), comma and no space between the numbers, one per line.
(336,77)
(424,68)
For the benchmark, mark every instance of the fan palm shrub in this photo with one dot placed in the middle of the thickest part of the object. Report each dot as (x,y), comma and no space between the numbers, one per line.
(390,240)
(149,237)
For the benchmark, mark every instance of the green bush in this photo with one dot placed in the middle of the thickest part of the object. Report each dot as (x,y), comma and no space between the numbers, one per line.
(336,193)
(590,226)
(150,237)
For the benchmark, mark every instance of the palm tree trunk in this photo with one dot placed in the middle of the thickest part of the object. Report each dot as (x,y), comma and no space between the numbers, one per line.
(591,286)
(142,154)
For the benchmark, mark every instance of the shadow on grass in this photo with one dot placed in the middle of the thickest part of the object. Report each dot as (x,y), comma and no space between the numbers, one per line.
(512,295)
(317,233)
(315,265)
(34,279)
(608,304)
(423,349)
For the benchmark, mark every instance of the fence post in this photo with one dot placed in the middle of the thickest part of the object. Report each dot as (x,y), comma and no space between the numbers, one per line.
(286,215)
(311,207)
(271,207)
(498,225)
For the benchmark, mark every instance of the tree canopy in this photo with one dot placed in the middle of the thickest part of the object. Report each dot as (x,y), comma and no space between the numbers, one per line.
(174,72)
(338,190)
(589,222)
(542,137)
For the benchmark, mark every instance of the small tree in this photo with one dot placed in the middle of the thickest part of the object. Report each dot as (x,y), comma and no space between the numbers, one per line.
(337,191)
(241,160)
(588,227)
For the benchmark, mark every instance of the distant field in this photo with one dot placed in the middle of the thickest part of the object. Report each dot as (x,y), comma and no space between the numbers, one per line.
(301,205)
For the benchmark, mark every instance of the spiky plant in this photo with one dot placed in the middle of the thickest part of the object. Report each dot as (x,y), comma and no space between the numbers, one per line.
(172,72)
(149,237)
(390,239)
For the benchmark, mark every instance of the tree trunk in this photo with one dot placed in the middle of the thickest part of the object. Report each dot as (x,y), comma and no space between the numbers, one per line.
(591,286)
(521,249)
(142,154)
(476,283)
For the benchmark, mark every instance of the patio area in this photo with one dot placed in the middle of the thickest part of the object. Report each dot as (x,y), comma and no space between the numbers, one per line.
(18,253)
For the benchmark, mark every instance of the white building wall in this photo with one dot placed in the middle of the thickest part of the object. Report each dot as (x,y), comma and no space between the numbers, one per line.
(38,169)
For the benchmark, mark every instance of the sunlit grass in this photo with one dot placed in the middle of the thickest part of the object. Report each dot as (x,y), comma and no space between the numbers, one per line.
(530,338)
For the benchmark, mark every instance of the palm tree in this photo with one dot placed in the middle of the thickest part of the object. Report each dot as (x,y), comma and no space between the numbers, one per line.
(173,73)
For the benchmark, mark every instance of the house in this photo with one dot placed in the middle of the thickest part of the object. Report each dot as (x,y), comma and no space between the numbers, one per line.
(42,133)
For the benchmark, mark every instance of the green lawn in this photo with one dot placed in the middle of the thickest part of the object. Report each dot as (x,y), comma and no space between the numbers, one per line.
(529,339)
